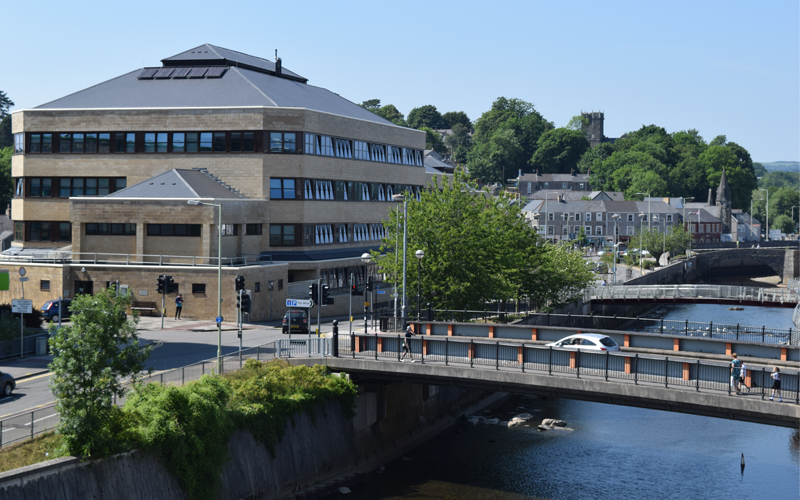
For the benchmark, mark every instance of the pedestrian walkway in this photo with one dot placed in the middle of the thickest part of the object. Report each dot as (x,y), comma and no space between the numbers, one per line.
(26,367)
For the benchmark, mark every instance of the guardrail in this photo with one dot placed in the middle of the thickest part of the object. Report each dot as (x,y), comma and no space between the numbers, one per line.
(672,373)
(11,348)
(714,292)
(119,259)
(796,317)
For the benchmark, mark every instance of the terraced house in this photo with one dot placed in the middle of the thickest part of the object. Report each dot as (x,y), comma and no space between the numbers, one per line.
(302,177)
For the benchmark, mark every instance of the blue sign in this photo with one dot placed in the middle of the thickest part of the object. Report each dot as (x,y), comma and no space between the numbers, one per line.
(379,292)
(219,319)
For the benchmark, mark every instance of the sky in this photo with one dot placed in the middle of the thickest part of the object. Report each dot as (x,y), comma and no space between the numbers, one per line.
(722,67)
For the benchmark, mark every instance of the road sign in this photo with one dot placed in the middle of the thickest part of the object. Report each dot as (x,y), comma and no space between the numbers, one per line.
(380,292)
(366,304)
(299,303)
(23,279)
(219,319)
(21,306)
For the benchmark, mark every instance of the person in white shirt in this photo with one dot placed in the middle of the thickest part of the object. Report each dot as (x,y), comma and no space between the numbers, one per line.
(776,384)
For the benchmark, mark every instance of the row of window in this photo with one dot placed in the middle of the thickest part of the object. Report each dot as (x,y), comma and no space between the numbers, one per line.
(314,189)
(704,228)
(43,231)
(111,229)
(64,187)
(598,217)
(323,234)
(582,186)
(213,142)
(94,228)
(341,277)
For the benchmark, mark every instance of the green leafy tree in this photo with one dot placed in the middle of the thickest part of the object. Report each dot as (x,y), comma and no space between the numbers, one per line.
(434,141)
(478,249)
(675,241)
(453,118)
(5,104)
(372,105)
(784,223)
(459,138)
(425,116)
(781,202)
(760,170)
(6,137)
(578,122)
(719,140)
(389,112)
(741,180)
(595,154)
(779,179)
(6,182)
(93,355)
(559,150)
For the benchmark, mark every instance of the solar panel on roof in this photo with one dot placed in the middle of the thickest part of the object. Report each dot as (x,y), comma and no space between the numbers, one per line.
(147,73)
(215,72)
(181,72)
(164,72)
(197,72)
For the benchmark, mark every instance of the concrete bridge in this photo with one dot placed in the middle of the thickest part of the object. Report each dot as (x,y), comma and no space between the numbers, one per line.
(678,384)
(695,294)
(782,262)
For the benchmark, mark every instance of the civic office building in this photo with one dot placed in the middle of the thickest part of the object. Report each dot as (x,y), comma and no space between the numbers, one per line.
(304,178)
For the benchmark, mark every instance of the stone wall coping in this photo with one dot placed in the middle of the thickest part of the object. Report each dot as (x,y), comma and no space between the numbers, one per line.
(35,469)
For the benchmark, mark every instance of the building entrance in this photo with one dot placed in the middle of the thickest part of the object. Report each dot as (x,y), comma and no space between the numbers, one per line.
(83,288)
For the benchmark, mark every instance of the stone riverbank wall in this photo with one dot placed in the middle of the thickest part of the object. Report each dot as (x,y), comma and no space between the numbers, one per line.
(391,419)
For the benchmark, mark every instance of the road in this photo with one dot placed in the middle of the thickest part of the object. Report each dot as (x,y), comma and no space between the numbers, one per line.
(173,347)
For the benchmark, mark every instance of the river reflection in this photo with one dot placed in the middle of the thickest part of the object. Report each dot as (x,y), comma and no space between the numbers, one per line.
(613,452)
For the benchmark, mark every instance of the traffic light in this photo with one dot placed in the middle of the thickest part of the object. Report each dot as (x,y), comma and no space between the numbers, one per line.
(369,283)
(169,284)
(239,282)
(326,299)
(355,291)
(313,293)
(245,303)
(160,284)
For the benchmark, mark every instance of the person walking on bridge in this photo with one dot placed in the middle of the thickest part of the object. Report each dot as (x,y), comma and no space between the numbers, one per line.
(736,372)
(407,345)
(776,384)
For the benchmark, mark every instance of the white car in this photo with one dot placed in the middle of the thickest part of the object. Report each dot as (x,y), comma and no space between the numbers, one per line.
(587,342)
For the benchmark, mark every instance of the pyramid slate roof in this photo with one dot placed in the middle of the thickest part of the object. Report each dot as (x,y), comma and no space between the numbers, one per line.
(246,81)
(178,184)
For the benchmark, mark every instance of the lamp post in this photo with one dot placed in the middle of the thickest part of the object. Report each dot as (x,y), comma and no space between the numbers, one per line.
(649,216)
(641,245)
(767,232)
(419,254)
(366,259)
(400,197)
(616,245)
(219,279)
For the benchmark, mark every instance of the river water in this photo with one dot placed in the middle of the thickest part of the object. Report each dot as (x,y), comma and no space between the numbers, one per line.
(611,452)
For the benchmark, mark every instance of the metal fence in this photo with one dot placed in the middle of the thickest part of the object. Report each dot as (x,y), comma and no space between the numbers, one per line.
(715,292)
(59,257)
(661,370)
(11,348)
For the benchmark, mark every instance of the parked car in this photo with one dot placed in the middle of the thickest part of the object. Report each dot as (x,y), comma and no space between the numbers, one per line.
(9,384)
(299,321)
(587,342)
(50,310)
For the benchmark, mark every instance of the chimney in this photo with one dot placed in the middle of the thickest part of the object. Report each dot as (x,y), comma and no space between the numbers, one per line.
(277,66)
(710,202)
(572,172)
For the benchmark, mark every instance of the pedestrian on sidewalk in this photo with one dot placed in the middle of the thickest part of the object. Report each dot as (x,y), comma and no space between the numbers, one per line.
(407,345)
(736,372)
(776,384)
(178,306)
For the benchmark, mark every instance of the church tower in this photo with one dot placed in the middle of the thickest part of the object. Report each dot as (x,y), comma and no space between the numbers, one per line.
(724,202)
(594,129)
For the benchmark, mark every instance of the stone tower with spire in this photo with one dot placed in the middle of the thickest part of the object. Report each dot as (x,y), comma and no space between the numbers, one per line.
(724,202)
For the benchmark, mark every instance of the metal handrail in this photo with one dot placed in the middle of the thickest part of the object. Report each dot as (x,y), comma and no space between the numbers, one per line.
(59,257)
(716,292)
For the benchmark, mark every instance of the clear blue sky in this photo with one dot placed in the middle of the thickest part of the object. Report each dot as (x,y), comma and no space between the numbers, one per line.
(721,67)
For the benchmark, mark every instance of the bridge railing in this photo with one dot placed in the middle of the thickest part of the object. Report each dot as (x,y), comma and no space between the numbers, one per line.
(716,292)
(646,369)
(796,316)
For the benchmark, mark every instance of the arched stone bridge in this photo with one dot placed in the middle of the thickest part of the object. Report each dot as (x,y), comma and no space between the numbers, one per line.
(750,262)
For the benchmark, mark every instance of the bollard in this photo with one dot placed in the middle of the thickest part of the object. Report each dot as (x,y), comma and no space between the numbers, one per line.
(335,338)
(353,344)
(497,356)
(697,377)
(636,370)
(666,372)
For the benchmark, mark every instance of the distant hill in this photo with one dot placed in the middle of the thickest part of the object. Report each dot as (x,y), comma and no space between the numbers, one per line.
(790,166)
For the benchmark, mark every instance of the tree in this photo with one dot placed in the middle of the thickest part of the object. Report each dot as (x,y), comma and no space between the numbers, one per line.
(425,116)
(371,105)
(477,249)
(760,170)
(93,355)
(779,179)
(5,104)
(452,118)
(559,150)
(459,137)
(389,112)
(675,241)
(6,182)
(741,181)
(577,122)
(597,153)
(784,223)
(6,137)
(433,140)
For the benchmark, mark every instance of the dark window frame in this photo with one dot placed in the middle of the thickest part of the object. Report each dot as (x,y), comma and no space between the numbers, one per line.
(53,231)
(158,229)
(198,288)
(44,285)
(297,235)
(268,140)
(283,189)
(110,229)
(254,229)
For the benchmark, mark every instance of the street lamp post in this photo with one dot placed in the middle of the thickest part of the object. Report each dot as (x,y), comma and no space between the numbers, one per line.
(404,199)
(419,254)
(641,245)
(219,279)
(649,214)
(366,259)
(616,244)
(767,232)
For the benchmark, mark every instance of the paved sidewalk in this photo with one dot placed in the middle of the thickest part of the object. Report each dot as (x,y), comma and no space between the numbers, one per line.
(27,367)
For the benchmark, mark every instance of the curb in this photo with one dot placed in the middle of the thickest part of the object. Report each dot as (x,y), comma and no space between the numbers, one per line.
(30,375)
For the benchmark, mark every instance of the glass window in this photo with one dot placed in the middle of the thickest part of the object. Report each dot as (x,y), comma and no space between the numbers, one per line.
(102,187)
(219,142)
(47,188)
(275,233)
(64,231)
(77,187)
(64,188)
(288,189)
(599,230)
(65,143)
(19,143)
(44,285)
(248,142)
(588,216)
(45,231)
(36,143)
(192,142)
(120,183)
(161,142)
(36,188)
(205,142)
(289,142)
(77,143)
(599,217)
(91,187)
(288,235)
(669,217)
(124,142)
(236,142)
(275,142)
(275,191)
(309,144)
(47,143)
(150,142)
(252,229)
(199,288)
(103,143)
(91,143)
(19,231)
(282,189)
(178,142)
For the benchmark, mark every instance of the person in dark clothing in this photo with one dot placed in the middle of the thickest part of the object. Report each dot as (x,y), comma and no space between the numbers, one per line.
(178,306)
(407,345)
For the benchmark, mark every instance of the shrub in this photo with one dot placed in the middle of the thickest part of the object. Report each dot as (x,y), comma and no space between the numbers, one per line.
(32,320)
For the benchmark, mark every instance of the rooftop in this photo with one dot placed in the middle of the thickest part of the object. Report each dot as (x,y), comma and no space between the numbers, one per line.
(178,184)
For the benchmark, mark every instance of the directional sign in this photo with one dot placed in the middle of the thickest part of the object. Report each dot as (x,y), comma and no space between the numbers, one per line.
(219,319)
(299,303)
(23,279)
(21,306)
(380,292)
